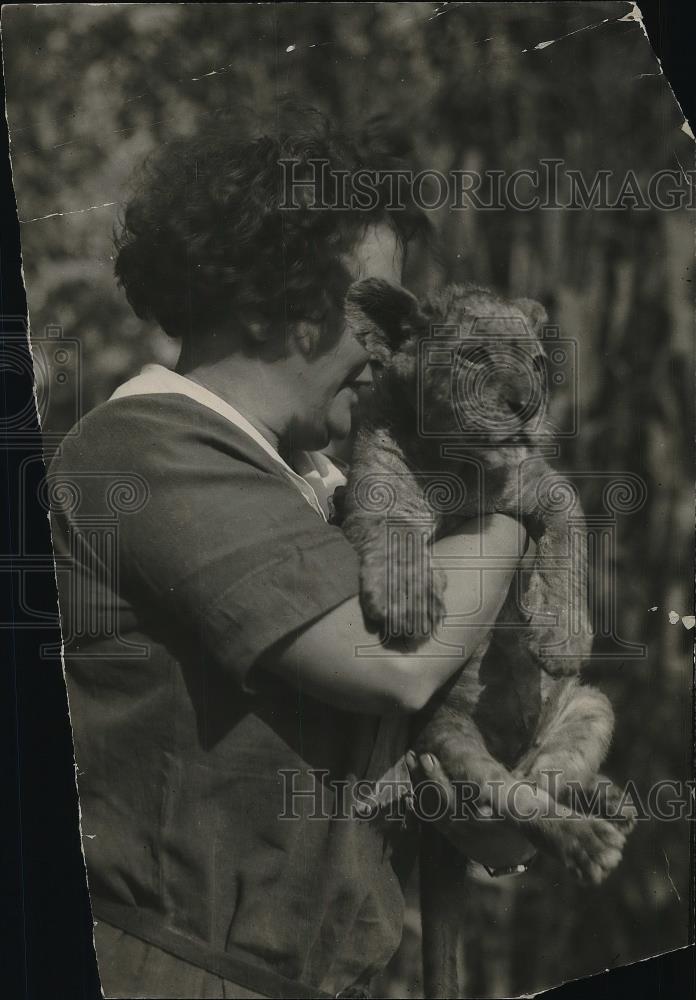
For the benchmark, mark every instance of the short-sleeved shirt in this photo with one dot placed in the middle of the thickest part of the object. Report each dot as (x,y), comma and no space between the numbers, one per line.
(183,554)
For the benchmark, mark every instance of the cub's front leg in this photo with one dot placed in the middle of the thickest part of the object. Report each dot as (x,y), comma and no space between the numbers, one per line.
(556,593)
(389,523)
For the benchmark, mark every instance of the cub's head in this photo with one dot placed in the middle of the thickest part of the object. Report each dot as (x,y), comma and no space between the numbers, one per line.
(465,360)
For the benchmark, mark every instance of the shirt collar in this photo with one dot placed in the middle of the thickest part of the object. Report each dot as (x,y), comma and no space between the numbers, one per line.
(158,379)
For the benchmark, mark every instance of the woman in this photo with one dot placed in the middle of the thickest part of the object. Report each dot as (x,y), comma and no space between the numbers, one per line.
(229,699)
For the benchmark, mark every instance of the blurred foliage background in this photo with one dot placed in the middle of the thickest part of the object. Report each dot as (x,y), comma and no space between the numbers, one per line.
(93,88)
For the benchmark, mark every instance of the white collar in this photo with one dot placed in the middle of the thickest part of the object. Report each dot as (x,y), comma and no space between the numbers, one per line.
(325,476)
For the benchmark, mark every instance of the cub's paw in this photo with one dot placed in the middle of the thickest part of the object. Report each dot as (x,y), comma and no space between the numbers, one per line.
(415,607)
(373,592)
(589,847)
(403,599)
(613,805)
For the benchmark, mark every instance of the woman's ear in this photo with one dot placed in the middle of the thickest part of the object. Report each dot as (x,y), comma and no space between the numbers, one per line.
(382,316)
(256,328)
(307,335)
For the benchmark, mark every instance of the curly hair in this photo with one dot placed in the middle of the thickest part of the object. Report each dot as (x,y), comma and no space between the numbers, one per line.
(210,235)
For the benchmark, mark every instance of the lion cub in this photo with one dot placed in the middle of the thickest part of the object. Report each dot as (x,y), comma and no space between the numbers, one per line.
(455,432)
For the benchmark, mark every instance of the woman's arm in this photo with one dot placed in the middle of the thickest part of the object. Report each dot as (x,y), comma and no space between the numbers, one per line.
(322,659)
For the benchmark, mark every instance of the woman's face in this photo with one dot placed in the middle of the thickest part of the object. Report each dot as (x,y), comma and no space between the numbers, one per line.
(329,381)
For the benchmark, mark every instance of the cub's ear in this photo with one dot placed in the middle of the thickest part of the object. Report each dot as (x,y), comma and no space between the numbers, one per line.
(382,315)
(534,313)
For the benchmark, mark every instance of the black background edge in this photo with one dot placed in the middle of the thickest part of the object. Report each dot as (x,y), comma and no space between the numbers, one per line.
(45,922)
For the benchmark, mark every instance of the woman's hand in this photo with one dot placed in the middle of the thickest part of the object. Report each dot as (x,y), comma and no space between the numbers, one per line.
(490,841)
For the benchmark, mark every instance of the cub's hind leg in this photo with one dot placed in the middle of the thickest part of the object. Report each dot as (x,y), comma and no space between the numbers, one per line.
(587,846)
(572,737)
(570,746)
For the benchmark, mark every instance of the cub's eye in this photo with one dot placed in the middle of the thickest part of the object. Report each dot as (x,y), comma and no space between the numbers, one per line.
(475,357)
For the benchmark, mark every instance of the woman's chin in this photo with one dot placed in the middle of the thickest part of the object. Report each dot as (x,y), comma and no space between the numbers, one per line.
(340,418)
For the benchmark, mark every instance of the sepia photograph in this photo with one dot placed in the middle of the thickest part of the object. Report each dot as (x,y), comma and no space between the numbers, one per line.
(362,349)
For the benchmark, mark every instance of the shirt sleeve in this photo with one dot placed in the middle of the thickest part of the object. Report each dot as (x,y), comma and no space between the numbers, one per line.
(225,557)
